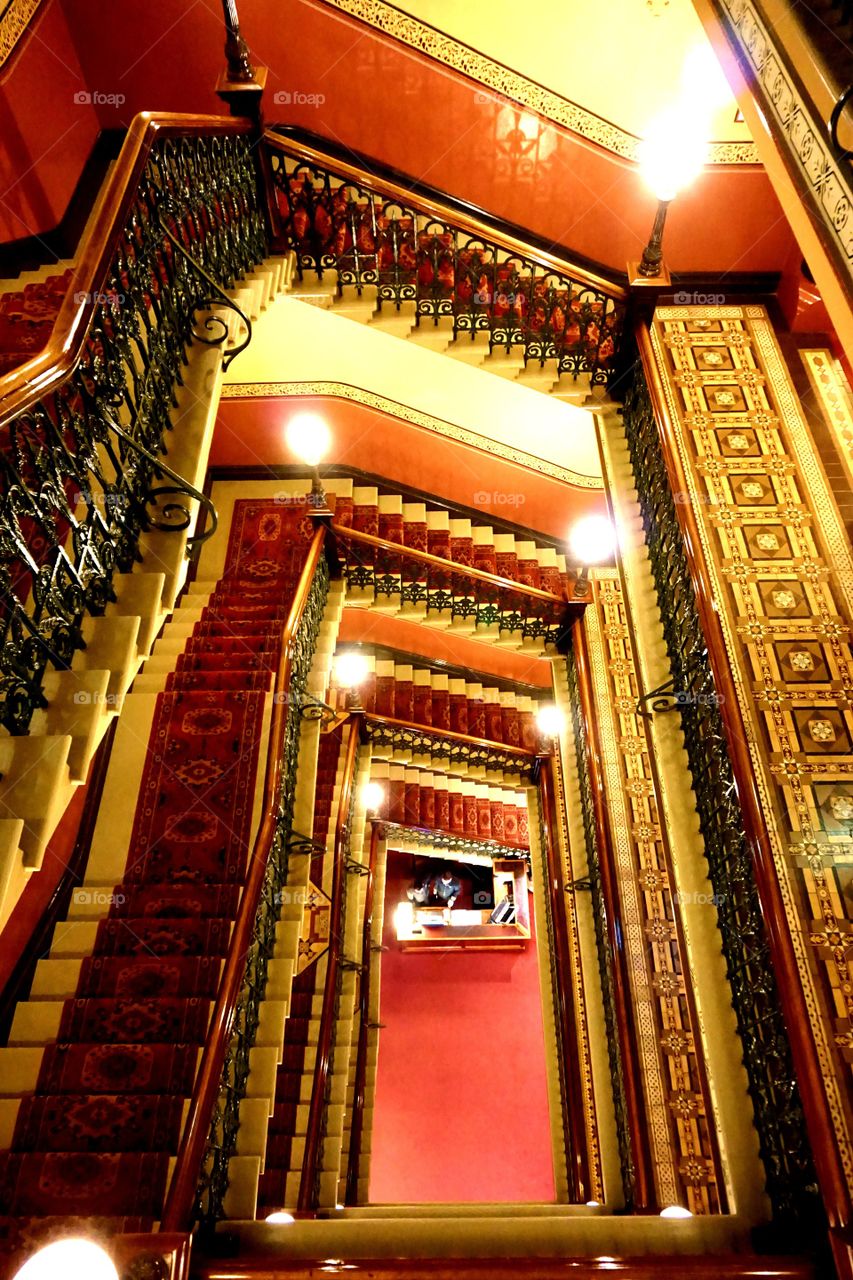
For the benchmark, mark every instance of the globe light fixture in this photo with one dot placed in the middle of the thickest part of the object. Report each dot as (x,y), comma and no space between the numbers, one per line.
(549,720)
(671,155)
(72,1259)
(280,1218)
(592,540)
(675,1211)
(351,669)
(310,439)
(373,796)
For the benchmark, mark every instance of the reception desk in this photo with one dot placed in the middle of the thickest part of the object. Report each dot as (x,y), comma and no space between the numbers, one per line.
(442,929)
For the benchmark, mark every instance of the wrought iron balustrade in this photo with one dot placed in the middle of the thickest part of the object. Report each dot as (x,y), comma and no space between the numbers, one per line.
(779,1120)
(200,1180)
(445,747)
(84,425)
(458,591)
(449,266)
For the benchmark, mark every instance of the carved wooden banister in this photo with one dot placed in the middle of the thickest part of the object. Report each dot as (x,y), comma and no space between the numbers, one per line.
(46,370)
(389,190)
(448,566)
(307,1198)
(819,1121)
(364,998)
(521,754)
(181,1198)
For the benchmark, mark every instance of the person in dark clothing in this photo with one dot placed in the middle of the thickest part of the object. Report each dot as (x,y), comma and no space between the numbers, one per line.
(446,887)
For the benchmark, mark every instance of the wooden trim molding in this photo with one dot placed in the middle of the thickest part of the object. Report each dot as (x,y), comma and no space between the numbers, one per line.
(516,89)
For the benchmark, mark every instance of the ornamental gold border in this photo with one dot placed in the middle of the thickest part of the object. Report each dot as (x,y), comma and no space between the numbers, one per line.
(512,87)
(834,401)
(596,627)
(345,391)
(14,23)
(794,848)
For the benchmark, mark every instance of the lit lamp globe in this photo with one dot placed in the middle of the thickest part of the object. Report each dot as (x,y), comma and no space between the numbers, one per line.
(373,796)
(671,156)
(549,720)
(351,671)
(71,1259)
(592,540)
(309,438)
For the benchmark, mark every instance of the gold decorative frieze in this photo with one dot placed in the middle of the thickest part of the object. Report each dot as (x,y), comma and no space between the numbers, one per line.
(344,391)
(681,1123)
(511,87)
(782,573)
(834,400)
(14,21)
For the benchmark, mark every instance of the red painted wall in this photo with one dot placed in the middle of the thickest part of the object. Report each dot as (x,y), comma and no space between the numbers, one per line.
(403,108)
(251,432)
(46,133)
(461,1106)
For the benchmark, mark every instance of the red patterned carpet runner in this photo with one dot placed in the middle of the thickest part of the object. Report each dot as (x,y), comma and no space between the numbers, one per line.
(27,317)
(95,1139)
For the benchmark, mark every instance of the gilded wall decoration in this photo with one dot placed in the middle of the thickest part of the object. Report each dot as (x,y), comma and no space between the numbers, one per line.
(826,176)
(782,572)
(680,1115)
(343,391)
(14,20)
(515,89)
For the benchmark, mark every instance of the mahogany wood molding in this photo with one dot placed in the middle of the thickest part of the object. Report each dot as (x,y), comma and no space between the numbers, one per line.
(436,205)
(447,566)
(830,1173)
(180,1199)
(33,380)
(577,1155)
(740,1266)
(306,1203)
(638,1135)
(364,993)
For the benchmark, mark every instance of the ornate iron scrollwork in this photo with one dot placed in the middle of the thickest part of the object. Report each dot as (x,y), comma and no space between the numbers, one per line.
(448,842)
(74,491)
(468,281)
(779,1119)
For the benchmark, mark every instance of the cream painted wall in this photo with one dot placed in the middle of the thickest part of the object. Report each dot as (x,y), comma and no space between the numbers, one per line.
(294,341)
(567,46)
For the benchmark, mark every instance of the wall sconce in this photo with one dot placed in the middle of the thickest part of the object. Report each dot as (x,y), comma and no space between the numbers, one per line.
(592,540)
(309,437)
(671,155)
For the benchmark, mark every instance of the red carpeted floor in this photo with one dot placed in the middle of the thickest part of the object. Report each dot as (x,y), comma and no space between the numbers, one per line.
(27,317)
(95,1139)
(461,1111)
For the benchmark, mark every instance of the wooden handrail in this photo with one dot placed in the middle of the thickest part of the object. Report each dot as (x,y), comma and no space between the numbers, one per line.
(833,1184)
(178,1210)
(364,993)
(577,1158)
(453,734)
(638,1129)
(431,208)
(26,384)
(449,566)
(306,1202)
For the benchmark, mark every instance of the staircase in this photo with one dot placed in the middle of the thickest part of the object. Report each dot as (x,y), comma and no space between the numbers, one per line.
(103,1056)
(29,306)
